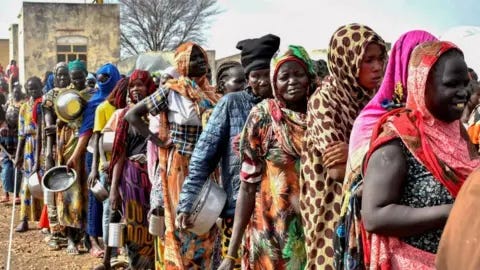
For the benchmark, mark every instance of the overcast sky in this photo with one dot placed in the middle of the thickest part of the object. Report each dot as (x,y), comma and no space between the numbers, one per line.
(311,22)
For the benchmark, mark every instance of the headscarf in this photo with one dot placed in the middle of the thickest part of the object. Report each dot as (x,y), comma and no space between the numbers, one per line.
(49,85)
(201,93)
(288,126)
(104,89)
(57,68)
(118,96)
(145,78)
(439,146)
(392,93)
(347,47)
(77,65)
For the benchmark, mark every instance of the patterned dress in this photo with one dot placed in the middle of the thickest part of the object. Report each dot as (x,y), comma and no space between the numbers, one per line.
(274,238)
(70,204)
(332,110)
(30,207)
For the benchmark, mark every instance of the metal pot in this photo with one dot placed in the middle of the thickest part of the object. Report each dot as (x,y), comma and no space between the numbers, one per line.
(156,223)
(108,138)
(207,207)
(69,105)
(59,179)
(35,185)
(99,191)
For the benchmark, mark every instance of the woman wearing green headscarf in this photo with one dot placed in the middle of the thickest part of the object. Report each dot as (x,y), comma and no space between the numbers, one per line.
(270,147)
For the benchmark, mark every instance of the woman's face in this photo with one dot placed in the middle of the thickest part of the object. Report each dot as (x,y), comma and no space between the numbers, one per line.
(447,90)
(372,67)
(138,91)
(198,65)
(62,77)
(78,78)
(292,82)
(34,89)
(235,81)
(259,80)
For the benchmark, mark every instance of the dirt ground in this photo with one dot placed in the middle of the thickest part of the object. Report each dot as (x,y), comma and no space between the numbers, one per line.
(29,251)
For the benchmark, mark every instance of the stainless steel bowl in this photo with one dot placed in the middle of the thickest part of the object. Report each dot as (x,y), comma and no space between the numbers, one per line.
(69,105)
(59,179)
(99,191)
(35,185)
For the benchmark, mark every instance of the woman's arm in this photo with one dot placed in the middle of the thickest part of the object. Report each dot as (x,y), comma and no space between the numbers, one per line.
(243,213)
(38,145)
(134,117)
(103,155)
(94,171)
(79,151)
(50,129)
(115,199)
(383,186)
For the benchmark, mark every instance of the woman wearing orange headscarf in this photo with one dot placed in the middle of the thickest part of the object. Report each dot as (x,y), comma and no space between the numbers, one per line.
(181,104)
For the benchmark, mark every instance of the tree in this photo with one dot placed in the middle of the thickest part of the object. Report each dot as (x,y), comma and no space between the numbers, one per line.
(157,25)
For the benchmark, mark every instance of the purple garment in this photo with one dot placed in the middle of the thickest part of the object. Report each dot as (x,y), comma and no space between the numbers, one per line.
(135,190)
(396,75)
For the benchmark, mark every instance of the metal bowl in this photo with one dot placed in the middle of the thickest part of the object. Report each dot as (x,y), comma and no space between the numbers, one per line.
(69,105)
(99,191)
(207,207)
(59,179)
(35,185)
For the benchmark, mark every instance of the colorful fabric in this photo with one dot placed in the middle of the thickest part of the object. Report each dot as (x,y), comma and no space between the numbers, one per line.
(94,207)
(439,146)
(270,148)
(183,249)
(30,208)
(332,109)
(104,89)
(135,189)
(392,94)
(49,85)
(8,177)
(201,93)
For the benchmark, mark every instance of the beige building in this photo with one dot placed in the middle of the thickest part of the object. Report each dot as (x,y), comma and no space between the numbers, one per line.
(4,53)
(49,33)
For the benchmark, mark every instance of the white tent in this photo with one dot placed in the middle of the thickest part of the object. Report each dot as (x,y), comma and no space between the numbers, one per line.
(467,38)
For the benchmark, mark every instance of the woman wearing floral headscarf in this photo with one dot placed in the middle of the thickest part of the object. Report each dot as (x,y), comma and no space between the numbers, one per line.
(180,104)
(270,147)
(418,160)
(356,60)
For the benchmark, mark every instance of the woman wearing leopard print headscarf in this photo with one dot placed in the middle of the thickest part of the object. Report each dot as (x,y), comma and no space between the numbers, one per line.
(356,59)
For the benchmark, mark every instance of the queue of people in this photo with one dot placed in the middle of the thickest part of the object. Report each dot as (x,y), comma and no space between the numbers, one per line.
(358,169)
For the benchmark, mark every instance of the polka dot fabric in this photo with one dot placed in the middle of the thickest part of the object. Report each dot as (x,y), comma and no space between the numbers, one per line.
(331,112)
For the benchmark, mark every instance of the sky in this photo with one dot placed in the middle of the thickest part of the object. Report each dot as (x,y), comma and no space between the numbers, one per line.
(311,22)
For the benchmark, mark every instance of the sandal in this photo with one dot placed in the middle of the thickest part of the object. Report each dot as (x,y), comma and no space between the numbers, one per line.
(5,200)
(22,227)
(96,252)
(53,244)
(72,250)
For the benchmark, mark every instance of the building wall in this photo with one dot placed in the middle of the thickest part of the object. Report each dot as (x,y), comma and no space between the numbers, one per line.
(46,25)
(4,52)
(13,43)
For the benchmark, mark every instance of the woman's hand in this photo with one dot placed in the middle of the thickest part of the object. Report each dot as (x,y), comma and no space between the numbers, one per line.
(183,221)
(92,177)
(72,162)
(336,153)
(115,198)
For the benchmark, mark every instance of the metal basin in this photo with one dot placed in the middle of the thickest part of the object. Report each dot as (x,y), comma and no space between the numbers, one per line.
(69,105)
(58,179)
(99,191)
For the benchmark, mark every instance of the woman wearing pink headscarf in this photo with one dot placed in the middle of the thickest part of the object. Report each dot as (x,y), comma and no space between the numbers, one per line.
(392,94)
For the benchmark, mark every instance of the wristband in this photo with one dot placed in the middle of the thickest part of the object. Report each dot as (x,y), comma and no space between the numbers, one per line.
(230,257)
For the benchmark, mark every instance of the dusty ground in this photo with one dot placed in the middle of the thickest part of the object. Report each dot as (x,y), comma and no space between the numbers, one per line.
(30,252)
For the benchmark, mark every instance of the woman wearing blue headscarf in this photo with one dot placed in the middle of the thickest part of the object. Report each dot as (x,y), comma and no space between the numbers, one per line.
(108,76)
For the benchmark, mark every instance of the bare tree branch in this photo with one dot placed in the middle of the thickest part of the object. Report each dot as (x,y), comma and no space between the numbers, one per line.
(157,25)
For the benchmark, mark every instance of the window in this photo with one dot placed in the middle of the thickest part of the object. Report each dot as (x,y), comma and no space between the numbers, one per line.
(67,53)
